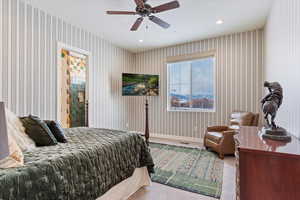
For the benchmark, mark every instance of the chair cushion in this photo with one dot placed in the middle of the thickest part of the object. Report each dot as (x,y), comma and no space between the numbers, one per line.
(235,127)
(235,122)
(247,119)
(242,118)
(214,136)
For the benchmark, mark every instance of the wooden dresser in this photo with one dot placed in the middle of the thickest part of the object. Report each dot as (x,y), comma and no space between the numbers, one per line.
(266,169)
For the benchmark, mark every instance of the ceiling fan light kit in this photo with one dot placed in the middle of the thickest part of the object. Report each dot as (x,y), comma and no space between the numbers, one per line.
(145,10)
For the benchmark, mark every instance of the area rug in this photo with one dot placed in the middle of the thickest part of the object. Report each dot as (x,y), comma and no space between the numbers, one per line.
(189,169)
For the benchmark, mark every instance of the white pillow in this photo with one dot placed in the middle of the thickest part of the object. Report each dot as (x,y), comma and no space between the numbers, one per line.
(16,129)
(15,158)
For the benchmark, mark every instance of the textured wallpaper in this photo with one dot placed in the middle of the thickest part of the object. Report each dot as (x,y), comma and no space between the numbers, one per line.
(28,48)
(239,80)
(283,59)
(28,38)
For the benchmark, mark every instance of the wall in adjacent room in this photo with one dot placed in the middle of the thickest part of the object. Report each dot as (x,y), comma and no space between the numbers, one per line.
(28,47)
(282,34)
(239,79)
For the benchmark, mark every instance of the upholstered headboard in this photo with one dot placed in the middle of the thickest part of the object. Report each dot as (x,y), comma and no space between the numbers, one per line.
(4,149)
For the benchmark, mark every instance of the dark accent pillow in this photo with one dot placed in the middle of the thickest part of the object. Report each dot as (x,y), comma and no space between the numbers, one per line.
(57,131)
(38,131)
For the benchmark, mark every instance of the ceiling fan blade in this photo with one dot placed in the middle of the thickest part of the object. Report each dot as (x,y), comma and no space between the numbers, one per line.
(121,13)
(139,3)
(159,22)
(137,24)
(168,6)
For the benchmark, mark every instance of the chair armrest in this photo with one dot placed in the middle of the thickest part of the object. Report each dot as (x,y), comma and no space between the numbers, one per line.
(228,133)
(217,128)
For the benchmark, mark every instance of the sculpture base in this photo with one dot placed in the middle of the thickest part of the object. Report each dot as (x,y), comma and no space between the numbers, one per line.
(279,134)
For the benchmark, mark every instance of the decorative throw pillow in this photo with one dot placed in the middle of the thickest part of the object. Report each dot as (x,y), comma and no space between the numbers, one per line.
(15,158)
(57,131)
(16,129)
(38,130)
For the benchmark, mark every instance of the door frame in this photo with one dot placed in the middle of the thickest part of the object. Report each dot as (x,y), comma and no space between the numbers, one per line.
(60,47)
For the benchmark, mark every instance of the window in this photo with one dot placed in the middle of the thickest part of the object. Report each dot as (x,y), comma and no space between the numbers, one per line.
(191,85)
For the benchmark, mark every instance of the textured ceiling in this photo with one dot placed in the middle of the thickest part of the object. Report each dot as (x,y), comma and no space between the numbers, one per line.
(194,20)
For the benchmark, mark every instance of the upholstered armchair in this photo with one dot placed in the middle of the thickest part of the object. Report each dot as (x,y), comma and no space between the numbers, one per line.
(220,139)
(241,118)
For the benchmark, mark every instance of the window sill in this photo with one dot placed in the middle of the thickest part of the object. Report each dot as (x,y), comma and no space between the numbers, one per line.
(191,110)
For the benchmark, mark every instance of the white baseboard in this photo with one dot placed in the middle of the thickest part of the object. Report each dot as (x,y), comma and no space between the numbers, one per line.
(181,139)
(176,138)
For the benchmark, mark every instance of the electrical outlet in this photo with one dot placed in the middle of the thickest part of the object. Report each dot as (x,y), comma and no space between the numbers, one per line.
(195,128)
(127,125)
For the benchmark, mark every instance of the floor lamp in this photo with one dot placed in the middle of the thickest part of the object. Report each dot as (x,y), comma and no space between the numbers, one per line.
(4,149)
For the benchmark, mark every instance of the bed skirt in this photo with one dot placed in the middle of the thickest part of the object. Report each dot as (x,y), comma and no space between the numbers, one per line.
(128,187)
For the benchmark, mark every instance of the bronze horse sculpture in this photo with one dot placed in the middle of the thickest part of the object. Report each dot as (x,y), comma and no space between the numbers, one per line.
(271,102)
(270,105)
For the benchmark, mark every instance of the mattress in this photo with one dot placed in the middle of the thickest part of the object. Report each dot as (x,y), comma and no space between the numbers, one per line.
(91,163)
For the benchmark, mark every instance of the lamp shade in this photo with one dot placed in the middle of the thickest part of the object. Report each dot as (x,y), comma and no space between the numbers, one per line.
(4,149)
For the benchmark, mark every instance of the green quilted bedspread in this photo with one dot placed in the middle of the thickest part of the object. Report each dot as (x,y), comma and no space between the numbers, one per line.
(91,163)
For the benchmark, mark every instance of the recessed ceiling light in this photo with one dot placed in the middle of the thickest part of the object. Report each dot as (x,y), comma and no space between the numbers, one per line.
(220,21)
(141,40)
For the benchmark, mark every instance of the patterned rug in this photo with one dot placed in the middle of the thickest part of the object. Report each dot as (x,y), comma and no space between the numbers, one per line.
(189,169)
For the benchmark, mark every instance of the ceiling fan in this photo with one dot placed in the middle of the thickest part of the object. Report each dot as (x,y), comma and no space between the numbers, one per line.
(143,9)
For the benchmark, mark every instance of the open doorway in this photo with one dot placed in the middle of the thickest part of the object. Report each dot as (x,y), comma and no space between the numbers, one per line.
(72,107)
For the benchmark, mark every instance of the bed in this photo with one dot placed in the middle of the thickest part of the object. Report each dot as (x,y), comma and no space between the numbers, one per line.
(92,164)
